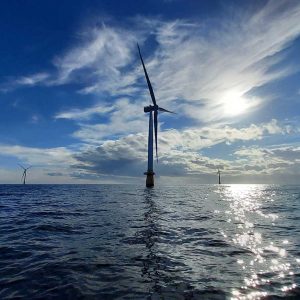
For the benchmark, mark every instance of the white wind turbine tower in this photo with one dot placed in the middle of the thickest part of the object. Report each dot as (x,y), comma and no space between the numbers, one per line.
(151,109)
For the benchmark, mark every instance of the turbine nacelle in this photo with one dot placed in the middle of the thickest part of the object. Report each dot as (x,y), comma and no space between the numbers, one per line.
(156,108)
(150,108)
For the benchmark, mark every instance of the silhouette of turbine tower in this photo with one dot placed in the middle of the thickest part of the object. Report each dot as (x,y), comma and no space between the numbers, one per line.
(24,173)
(219,173)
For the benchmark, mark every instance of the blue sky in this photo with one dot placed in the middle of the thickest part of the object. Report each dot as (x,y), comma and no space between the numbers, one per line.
(72,90)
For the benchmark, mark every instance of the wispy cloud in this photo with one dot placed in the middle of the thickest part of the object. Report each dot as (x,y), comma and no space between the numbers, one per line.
(34,119)
(196,63)
(84,114)
(210,70)
(100,56)
(208,77)
(32,80)
(28,80)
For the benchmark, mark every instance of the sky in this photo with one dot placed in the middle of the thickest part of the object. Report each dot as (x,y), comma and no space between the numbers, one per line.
(72,90)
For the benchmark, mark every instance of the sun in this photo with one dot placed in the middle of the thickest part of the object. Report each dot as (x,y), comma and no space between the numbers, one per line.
(235,103)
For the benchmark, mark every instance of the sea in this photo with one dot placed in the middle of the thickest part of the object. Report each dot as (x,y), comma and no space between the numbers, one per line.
(169,242)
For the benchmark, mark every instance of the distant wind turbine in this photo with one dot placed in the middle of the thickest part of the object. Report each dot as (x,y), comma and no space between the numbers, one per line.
(219,173)
(24,173)
(149,109)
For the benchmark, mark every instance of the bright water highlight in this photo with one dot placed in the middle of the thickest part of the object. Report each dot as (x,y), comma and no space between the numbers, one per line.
(170,242)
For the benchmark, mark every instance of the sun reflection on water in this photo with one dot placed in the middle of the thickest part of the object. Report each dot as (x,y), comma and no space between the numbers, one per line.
(248,225)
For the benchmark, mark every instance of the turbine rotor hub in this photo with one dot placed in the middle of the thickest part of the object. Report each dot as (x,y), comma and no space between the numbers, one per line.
(150,108)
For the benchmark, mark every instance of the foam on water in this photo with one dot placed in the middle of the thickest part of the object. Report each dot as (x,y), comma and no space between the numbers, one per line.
(175,242)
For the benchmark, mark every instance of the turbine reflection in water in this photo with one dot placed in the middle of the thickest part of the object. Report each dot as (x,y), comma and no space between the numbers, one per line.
(151,263)
(266,260)
(163,274)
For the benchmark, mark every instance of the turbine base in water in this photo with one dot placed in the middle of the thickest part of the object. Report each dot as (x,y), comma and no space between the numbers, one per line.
(149,179)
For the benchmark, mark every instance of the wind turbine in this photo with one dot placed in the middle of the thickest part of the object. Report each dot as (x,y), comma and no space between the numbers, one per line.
(24,173)
(152,110)
(219,173)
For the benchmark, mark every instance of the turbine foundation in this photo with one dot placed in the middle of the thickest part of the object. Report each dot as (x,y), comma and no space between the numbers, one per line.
(149,179)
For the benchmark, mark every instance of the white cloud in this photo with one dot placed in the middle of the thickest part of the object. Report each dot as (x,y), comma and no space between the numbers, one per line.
(209,70)
(28,80)
(179,155)
(59,156)
(101,54)
(33,79)
(202,65)
(201,138)
(127,117)
(84,114)
(34,119)
(43,161)
(179,151)
(272,160)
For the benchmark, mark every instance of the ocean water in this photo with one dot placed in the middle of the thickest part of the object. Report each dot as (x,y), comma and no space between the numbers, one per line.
(129,242)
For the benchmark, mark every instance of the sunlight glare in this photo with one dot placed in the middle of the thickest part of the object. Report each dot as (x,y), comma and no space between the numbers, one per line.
(235,103)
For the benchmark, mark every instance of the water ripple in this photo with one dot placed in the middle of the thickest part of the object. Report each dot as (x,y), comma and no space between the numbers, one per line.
(127,242)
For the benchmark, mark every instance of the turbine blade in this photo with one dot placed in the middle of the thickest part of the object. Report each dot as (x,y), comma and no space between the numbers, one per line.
(21,166)
(165,110)
(155,131)
(147,78)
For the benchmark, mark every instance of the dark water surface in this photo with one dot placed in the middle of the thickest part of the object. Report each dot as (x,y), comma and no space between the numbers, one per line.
(128,242)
